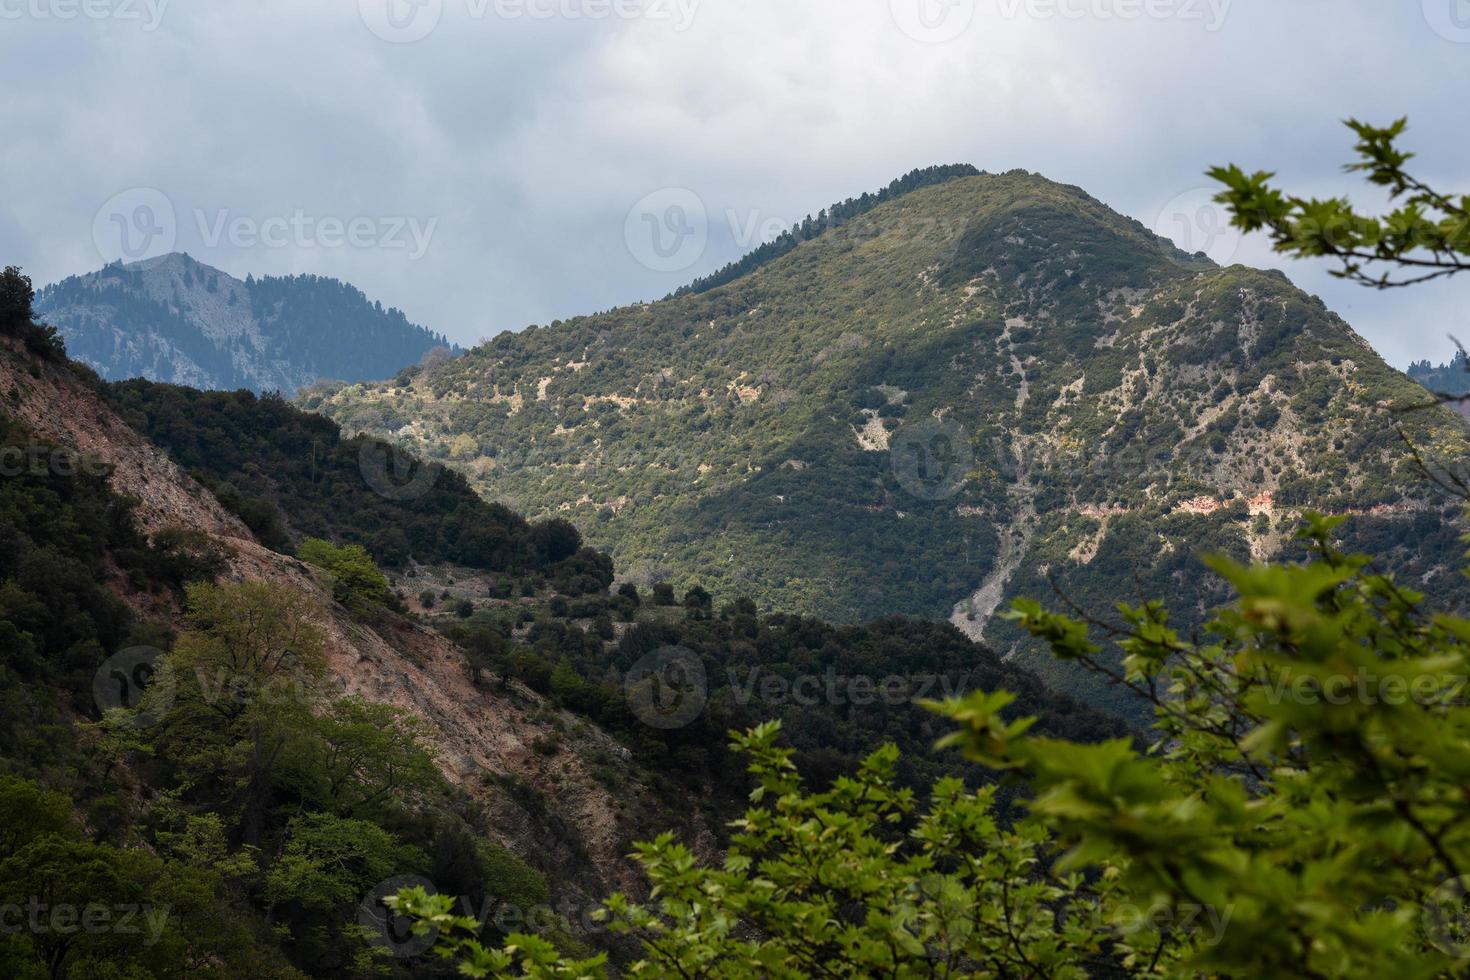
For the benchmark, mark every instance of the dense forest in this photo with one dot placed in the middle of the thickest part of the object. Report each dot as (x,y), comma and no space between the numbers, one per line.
(838,690)
(331,325)
(291,475)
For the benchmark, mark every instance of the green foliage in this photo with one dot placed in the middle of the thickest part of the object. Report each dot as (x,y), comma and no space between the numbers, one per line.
(328,864)
(361,759)
(1427,235)
(83,908)
(1300,813)
(1307,772)
(291,475)
(28,812)
(357,583)
(244,674)
(522,955)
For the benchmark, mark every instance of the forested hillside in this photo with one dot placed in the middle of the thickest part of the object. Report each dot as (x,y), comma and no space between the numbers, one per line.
(290,475)
(965,394)
(250,750)
(207,754)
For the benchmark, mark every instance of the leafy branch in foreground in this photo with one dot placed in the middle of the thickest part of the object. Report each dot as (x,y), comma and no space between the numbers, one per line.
(1300,813)
(1428,233)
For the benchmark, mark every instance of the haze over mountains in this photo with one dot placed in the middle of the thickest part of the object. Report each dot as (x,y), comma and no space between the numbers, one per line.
(971,390)
(177,320)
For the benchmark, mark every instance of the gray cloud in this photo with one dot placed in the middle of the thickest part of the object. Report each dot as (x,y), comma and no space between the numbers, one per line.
(521,132)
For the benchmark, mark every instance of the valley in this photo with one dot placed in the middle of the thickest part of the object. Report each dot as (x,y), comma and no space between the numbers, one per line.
(681,490)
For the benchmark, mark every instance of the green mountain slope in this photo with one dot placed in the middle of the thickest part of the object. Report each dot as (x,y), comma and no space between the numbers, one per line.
(952,399)
(195,729)
(290,475)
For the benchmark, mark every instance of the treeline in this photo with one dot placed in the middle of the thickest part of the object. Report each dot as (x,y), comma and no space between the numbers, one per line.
(838,690)
(1444,379)
(291,475)
(832,217)
(330,325)
(16,299)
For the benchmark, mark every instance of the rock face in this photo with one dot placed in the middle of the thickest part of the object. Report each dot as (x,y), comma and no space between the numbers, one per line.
(177,320)
(479,735)
(966,394)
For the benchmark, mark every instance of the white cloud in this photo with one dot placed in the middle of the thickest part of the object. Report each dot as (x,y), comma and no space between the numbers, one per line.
(528,138)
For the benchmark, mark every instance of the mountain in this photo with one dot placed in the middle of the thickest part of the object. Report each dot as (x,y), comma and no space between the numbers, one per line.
(498,738)
(103,531)
(1444,379)
(986,387)
(177,320)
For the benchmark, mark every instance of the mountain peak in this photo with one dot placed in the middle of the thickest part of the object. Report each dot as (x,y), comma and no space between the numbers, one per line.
(166,261)
(964,211)
(831,217)
(1113,401)
(173,318)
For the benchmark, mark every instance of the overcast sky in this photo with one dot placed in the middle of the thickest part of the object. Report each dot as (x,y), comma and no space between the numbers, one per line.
(485,164)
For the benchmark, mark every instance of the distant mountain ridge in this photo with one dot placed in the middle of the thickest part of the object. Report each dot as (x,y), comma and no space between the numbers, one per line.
(1444,379)
(176,320)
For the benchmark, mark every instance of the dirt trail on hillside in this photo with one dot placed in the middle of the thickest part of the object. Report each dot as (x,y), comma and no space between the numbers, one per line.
(972,614)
